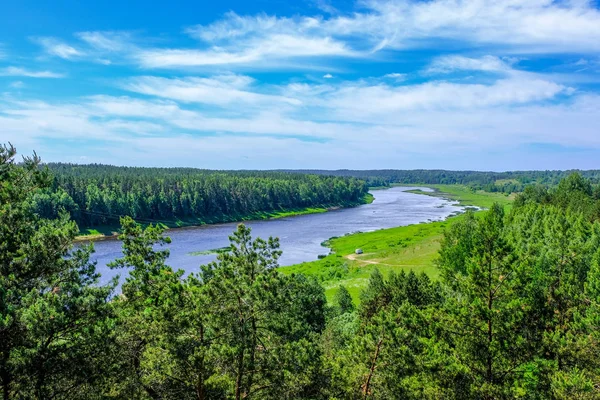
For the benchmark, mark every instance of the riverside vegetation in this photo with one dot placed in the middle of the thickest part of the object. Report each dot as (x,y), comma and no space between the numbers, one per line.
(493,182)
(406,248)
(513,313)
(96,196)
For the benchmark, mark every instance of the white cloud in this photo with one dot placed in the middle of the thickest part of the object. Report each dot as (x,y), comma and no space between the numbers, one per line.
(234,26)
(221,116)
(427,136)
(303,109)
(356,101)
(17,71)
(432,130)
(516,26)
(396,76)
(57,48)
(246,40)
(447,64)
(254,51)
(35,119)
(219,90)
(107,41)
(124,106)
(17,84)
(325,6)
(265,41)
(138,127)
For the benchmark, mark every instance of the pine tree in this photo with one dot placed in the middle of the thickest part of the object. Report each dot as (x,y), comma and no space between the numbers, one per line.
(343,300)
(53,317)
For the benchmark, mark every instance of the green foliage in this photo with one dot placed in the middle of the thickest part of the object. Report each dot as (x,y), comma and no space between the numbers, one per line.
(573,193)
(54,319)
(97,195)
(503,182)
(386,352)
(404,248)
(268,345)
(515,313)
(237,329)
(343,301)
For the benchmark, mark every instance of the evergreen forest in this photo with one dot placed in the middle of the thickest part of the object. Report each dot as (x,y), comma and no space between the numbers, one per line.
(96,195)
(504,182)
(515,313)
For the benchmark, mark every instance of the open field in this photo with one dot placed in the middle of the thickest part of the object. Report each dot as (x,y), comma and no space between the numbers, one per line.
(412,247)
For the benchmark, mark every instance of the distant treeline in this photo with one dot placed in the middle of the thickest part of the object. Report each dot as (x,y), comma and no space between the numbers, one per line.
(99,194)
(506,182)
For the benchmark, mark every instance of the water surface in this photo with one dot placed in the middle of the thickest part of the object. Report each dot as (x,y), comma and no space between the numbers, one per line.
(300,236)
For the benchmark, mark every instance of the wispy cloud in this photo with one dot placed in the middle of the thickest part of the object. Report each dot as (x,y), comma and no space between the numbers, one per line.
(483,82)
(542,25)
(234,26)
(395,105)
(250,41)
(305,109)
(325,6)
(58,48)
(17,84)
(17,71)
(172,133)
(107,41)
(256,51)
(396,76)
(266,41)
(525,26)
(219,90)
(447,64)
(538,26)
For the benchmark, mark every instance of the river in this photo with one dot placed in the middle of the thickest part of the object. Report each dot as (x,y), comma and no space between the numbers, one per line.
(300,236)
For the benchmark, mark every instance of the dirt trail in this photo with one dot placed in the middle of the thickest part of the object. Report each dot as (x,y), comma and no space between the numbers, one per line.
(355,257)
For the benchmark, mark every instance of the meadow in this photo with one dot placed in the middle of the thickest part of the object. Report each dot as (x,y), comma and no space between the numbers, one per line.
(412,247)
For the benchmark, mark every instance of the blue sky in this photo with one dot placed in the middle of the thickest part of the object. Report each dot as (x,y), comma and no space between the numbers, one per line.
(454,84)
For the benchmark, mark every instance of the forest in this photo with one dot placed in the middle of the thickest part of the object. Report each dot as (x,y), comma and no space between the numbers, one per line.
(505,182)
(100,194)
(515,313)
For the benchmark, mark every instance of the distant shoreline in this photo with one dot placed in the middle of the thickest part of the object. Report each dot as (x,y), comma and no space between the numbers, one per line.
(110,232)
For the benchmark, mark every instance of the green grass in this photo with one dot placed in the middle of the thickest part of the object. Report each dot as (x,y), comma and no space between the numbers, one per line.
(412,247)
(466,196)
(378,187)
(97,232)
(211,251)
(368,198)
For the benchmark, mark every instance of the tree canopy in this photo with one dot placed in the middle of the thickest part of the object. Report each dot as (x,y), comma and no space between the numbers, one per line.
(505,182)
(101,194)
(515,312)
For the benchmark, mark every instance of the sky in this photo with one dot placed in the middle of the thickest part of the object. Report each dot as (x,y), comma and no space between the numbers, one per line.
(454,84)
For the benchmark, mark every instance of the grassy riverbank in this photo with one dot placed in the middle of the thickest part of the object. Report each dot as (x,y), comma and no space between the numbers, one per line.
(465,196)
(412,247)
(104,231)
